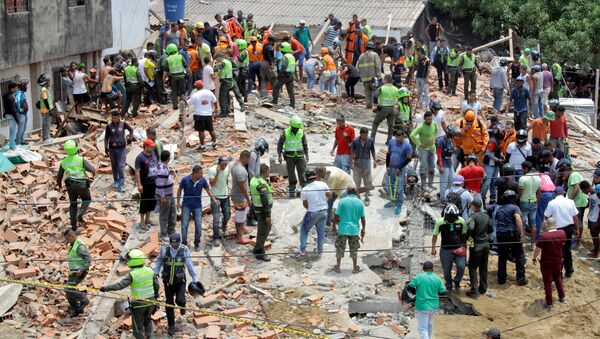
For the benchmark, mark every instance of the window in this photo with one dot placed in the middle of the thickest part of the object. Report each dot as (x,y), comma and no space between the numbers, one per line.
(73,3)
(3,90)
(17,6)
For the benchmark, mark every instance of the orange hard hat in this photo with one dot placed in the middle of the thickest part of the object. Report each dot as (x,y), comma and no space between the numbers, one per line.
(324,50)
(222,39)
(469,115)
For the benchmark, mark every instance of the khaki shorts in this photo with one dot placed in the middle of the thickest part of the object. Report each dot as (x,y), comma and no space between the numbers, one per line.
(362,178)
(340,245)
(239,216)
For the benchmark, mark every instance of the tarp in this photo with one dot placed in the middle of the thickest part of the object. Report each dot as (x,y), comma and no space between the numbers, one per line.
(581,107)
(5,164)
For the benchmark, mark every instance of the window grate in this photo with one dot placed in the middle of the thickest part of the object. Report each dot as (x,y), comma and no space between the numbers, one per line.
(74,3)
(17,6)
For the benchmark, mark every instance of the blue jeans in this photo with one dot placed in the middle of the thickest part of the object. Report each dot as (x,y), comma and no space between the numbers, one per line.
(185,221)
(22,120)
(425,320)
(426,165)
(395,185)
(328,83)
(342,161)
(498,94)
(538,105)
(253,74)
(545,198)
(424,89)
(118,156)
(317,219)
(46,119)
(446,179)
(529,210)
(491,172)
(225,209)
(12,131)
(309,71)
(447,258)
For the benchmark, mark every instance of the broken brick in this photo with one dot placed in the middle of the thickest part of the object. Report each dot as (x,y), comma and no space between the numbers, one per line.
(25,273)
(11,236)
(212,332)
(205,321)
(236,311)
(236,271)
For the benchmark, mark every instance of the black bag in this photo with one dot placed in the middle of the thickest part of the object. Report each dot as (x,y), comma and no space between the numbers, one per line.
(409,294)
(454,198)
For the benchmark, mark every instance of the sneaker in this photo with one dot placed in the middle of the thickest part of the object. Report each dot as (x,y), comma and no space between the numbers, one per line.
(263,257)
(563,300)
(122,188)
(569,274)
(397,211)
(389,204)
(115,184)
(201,148)
(522,282)
(548,307)
(171,331)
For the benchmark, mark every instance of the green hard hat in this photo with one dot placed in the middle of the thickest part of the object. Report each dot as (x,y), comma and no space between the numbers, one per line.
(404,92)
(241,43)
(296,122)
(527,50)
(171,48)
(136,258)
(70,147)
(549,115)
(285,47)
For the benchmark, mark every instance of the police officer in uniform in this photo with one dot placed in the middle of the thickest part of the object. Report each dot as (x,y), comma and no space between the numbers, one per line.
(176,67)
(133,83)
(286,74)
(403,118)
(144,285)
(262,201)
(73,169)
(158,79)
(79,264)
(227,84)
(243,62)
(453,61)
(172,258)
(386,101)
(292,144)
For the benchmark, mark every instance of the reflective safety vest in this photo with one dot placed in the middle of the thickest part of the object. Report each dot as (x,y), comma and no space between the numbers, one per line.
(131,74)
(50,99)
(293,143)
(142,285)
(368,31)
(388,96)
(175,63)
(403,111)
(174,267)
(468,62)
(255,194)
(248,30)
(243,59)
(557,71)
(524,60)
(453,58)
(441,55)
(75,261)
(410,61)
(73,167)
(226,71)
(291,63)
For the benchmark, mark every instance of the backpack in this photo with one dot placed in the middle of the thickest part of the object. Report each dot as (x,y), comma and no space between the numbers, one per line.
(454,198)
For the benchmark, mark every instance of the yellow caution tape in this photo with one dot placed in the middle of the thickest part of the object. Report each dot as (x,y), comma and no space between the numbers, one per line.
(159,303)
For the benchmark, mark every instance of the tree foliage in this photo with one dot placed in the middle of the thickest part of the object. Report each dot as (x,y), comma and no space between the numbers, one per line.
(566,30)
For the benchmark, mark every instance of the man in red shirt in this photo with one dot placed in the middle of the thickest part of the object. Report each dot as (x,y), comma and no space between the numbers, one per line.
(551,245)
(473,174)
(344,134)
(558,129)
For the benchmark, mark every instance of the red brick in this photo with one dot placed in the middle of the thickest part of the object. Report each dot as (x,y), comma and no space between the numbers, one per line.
(236,311)
(25,273)
(205,321)
(11,236)
(212,332)
(236,271)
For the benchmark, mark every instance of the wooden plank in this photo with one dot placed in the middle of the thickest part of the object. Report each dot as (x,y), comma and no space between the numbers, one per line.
(267,113)
(63,139)
(169,120)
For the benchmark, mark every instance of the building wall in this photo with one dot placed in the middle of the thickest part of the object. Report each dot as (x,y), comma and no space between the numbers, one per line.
(52,29)
(129,22)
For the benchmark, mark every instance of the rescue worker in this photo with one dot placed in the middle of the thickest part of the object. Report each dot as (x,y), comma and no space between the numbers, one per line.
(440,62)
(159,72)
(453,230)
(262,201)
(253,167)
(195,68)
(524,58)
(176,68)
(243,62)
(73,168)
(453,61)
(510,135)
(255,55)
(386,101)
(474,136)
(46,99)
(479,228)
(403,118)
(227,84)
(79,264)
(286,75)
(469,67)
(144,285)
(398,59)
(172,259)
(369,68)
(293,146)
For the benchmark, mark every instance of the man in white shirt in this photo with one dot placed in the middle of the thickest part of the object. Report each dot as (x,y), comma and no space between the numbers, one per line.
(439,117)
(208,75)
(314,198)
(565,213)
(518,151)
(205,112)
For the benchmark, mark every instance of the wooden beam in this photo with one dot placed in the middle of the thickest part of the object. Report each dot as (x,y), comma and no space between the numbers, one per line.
(490,44)
(511,44)
(389,25)
(321,32)
(63,139)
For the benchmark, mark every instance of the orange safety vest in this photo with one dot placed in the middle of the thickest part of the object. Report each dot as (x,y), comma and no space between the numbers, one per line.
(235,29)
(265,38)
(506,141)
(258,56)
(194,60)
(473,140)
(329,63)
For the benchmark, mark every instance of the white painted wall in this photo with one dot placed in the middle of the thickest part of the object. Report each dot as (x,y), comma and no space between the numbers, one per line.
(129,22)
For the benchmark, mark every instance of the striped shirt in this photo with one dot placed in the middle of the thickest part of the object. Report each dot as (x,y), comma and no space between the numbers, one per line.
(330,34)
(164,181)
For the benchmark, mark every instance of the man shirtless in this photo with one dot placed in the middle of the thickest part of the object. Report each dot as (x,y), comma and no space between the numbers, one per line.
(108,93)
(105,69)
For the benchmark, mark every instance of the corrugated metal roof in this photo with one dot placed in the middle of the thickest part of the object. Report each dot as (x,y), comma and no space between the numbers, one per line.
(289,12)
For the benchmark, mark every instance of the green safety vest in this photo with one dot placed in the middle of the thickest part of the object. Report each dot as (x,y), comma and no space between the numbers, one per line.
(73,167)
(403,111)
(453,58)
(131,74)
(248,31)
(291,63)
(50,98)
(75,261)
(175,63)
(142,285)
(426,49)
(254,183)
(226,71)
(557,71)
(243,59)
(388,95)
(159,148)
(468,62)
(410,61)
(293,143)
(524,60)
(368,31)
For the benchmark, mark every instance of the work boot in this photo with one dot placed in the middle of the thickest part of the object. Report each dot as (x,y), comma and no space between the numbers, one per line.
(292,192)
(263,257)
(171,331)
(471,293)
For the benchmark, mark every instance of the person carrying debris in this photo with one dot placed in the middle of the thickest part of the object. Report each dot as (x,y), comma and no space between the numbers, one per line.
(79,264)
(398,155)
(387,99)
(144,285)
(427,287)
(424,136)
(369,68)
(73,168)
(293,146)
(133,87)
(469,67)
(173,258)
(349,212)
(479,228)
(453,230)
(262,202)
(176,67)
(115,147)
(286,75)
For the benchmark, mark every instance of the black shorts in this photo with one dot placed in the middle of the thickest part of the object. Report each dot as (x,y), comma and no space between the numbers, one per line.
(82,98)
(203,123)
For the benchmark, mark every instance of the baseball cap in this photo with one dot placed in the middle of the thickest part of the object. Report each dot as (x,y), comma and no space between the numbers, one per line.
(149,142)
(303,21)
(199,83)
(494,333)
(520,78)
(559,190)
(459,179)
(175,238)
(223,158)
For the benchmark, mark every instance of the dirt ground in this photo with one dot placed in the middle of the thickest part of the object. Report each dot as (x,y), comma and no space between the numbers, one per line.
(517,305)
